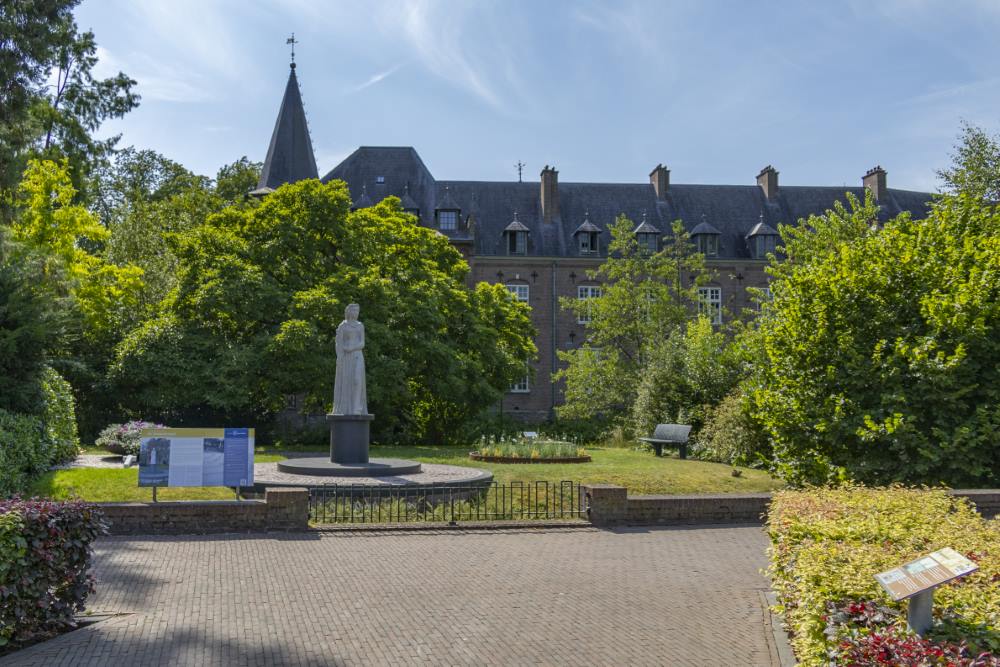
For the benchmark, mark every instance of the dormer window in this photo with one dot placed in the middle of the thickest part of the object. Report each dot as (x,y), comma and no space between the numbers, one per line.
(516,237)
(648,236)
(447,212)
(380,180)
(706,238)
(364,201)
(588,237)
(409,204)
(762,240)
(447,220)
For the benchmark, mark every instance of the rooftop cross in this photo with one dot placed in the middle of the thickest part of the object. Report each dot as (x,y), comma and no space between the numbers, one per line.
(291,40)
(520,165)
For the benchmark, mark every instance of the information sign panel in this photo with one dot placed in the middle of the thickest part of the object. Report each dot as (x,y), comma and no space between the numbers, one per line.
(925,573)
(196,457)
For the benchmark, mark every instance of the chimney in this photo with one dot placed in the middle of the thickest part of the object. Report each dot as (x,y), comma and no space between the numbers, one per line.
(767,179)
(550,194)
(874,180)
(660,179)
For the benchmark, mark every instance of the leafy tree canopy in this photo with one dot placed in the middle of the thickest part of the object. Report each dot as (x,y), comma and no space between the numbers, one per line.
(882,347)
(50,102)
(261,290)
(975,168)
(644,302)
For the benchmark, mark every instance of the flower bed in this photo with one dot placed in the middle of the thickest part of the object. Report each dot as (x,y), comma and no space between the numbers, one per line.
(826,547)
(45,552)
(531,451)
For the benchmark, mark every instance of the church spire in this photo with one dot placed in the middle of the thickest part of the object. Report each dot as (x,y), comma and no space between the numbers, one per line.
(290,155)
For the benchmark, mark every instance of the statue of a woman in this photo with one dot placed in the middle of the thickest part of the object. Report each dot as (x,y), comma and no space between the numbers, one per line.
(350,396)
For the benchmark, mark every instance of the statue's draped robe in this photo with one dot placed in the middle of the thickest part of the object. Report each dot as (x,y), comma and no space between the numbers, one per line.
(350,395)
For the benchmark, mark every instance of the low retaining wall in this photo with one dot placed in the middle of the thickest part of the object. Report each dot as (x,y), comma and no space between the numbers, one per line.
(987,501)
(611,505)
(282,509)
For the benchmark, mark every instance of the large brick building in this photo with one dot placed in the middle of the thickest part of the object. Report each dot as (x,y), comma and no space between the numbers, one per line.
(541,238)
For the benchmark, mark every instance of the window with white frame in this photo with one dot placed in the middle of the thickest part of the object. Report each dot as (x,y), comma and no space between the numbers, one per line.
(710,303)
(585,293)
(520,292)
(521,386)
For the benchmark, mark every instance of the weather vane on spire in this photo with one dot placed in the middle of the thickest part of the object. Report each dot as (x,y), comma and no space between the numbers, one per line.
(291,40)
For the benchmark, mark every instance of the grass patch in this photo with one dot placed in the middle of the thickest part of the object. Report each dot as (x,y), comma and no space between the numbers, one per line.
(639,471)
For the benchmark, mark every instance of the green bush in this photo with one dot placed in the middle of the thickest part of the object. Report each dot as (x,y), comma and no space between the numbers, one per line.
(59,416)
(45,552)
(25,451)
(827,545)
(730,435)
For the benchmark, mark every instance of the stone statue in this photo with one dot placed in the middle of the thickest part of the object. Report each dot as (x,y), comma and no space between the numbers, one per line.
(350,395)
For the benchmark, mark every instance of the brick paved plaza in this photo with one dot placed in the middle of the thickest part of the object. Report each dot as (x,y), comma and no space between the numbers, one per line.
(577,596)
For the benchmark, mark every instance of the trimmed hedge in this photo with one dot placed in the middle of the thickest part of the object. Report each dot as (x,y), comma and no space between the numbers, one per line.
(59,416)
(827,545)
(45,553)
(25,451)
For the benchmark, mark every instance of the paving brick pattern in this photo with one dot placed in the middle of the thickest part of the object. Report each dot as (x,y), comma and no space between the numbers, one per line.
(580,596)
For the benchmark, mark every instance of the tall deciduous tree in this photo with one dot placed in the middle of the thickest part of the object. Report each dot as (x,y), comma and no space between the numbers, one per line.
(644,301)
(975,168)
(882,347)
(262,289)
(50,102)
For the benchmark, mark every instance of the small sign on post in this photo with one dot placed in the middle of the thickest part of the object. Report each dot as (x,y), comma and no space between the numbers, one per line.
(916,581)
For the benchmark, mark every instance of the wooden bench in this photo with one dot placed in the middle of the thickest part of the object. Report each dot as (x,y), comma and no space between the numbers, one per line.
(669,435)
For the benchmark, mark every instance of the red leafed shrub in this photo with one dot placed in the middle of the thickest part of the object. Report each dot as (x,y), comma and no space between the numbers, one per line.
(45,552)
(894,647)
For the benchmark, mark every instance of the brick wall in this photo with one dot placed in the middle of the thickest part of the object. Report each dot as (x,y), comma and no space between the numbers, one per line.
(285,509)
(611,505)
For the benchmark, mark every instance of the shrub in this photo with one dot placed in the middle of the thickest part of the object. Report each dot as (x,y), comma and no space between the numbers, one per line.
(59,416)
(124,438)
(827,545)
(45,552)
(731,435)
(25,451)
(578,431)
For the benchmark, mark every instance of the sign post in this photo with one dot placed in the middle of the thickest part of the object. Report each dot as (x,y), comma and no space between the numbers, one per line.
(915,582)
(196,457)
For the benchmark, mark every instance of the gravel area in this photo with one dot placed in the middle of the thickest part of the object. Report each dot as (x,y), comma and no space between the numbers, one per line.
(91,461)
(432,473)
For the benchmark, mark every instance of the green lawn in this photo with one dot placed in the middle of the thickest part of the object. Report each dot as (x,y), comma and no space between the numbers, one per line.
(640,472)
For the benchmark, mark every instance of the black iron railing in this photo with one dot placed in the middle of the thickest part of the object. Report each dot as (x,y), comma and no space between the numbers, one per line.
(515,501)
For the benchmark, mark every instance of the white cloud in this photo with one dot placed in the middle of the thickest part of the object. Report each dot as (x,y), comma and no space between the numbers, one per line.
(375,78)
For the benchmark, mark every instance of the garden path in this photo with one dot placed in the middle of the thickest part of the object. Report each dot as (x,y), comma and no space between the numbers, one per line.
(649,596)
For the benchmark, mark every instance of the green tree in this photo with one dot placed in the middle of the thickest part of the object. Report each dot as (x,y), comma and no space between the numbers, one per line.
(882,349)
(643,303)
(975,168)
(262,289)
(40,43)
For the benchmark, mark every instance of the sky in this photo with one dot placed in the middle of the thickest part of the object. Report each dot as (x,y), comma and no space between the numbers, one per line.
(603,91)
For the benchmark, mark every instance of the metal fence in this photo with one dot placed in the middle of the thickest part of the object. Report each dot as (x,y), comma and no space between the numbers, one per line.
(515,501)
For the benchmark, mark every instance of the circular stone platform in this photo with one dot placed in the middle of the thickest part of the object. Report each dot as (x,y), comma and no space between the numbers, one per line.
(431,474)
(323,467)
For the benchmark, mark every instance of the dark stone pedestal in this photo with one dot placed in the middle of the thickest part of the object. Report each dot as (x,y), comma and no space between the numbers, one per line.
(349,435)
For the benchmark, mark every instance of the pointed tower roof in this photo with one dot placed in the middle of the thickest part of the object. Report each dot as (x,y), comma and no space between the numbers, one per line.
(290,155)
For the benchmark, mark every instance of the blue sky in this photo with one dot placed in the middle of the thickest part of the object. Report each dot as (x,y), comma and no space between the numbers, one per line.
(601,90)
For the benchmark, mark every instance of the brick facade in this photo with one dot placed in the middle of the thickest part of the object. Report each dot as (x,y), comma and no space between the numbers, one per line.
(550,278)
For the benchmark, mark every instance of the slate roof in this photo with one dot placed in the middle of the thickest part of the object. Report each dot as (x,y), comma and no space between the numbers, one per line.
(732,210)
(290,154)
(762,229)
